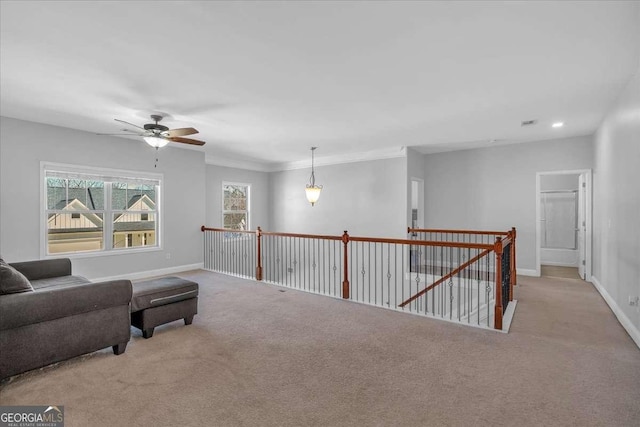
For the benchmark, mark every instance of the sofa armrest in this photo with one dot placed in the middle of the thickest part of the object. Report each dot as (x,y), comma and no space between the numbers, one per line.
(44,269)
(40,306)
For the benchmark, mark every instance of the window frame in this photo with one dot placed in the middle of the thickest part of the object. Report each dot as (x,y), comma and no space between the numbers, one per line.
(110,175)
(248,210)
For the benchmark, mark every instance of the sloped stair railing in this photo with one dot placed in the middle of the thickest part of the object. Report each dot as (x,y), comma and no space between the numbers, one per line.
(463,276)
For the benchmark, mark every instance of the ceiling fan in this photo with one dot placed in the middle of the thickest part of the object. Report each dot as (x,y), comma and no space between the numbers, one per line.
(157,135)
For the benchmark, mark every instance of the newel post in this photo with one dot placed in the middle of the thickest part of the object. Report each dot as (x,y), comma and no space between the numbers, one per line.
(345,282)
(259,261)
(498,275)
(514,272)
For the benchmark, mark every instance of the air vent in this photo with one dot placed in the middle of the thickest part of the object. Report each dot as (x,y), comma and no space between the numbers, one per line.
(528,122)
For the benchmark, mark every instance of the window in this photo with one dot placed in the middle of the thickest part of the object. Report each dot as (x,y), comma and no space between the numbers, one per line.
(91,210)
(235,206)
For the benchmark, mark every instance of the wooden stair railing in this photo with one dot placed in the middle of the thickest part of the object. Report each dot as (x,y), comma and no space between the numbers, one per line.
(503,240)
(448,276)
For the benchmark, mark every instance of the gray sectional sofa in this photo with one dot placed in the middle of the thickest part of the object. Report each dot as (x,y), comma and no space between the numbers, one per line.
(61,316)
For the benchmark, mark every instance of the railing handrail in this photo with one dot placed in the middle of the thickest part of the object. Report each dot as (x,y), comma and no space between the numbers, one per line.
(302,236)
(447,276)
(362,239)
(226,230)
(464,245)
(437,230)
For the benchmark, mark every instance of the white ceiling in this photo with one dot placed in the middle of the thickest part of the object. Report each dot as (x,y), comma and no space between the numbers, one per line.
(264,81)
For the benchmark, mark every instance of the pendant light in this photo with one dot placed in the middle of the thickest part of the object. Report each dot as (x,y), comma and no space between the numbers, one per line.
(313,190)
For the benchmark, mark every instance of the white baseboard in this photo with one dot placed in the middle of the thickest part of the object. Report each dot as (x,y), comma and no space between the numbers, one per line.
(152,273)
(526,272)
(631,329)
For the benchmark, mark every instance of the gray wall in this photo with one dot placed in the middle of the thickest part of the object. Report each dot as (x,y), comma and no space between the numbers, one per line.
(24,144)
(495,188)
(259,198)
(366,198)
(616,245)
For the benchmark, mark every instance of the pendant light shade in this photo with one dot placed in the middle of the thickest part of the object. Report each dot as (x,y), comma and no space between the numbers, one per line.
(313,190)
(313,193)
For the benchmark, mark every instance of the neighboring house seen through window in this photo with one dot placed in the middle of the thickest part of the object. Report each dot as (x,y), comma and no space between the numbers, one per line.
(90,211)
(235,206)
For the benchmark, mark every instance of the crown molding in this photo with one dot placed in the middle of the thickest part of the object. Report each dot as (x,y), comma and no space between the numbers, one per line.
(386,153)
(238,164)
(336,159)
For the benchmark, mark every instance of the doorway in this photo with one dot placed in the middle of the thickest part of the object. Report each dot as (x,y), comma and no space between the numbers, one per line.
(417,203)
(563,224)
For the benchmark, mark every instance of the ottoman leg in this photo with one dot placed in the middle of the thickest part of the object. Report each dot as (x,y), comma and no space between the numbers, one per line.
(188,320)
(119,349)
(147,333)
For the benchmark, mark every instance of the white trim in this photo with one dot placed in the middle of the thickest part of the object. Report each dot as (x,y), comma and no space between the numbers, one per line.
(588,216)
(91,170)
(108,173)
(151,273)
(507,317)
(631,329)
(248,210)
(421,209)
(238,164)
(527,272)
(101,253)
(336,159)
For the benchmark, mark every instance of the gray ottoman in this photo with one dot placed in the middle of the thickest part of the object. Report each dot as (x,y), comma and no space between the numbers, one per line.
(163,300)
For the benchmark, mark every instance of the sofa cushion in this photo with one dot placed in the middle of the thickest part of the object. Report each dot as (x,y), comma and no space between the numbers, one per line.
(56,302)
(44,268)
(54,282)
(12,281)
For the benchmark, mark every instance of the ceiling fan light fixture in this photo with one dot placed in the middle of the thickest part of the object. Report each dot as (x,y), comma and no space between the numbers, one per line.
(155,141)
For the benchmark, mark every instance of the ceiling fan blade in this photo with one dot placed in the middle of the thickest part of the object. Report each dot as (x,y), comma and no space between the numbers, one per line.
(180,132)
(131,124)
(122,134)
(186,140)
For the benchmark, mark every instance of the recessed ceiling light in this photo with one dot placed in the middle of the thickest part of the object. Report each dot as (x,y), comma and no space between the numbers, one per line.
(557,125)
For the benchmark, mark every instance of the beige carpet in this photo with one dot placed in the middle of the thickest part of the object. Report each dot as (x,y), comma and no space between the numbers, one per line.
(560,272)
(256,356)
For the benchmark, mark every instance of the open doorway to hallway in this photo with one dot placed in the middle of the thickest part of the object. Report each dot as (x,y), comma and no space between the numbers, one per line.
(563,224)
(560,272)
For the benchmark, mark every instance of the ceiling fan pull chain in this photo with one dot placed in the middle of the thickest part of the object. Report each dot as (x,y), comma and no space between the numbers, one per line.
(156,164)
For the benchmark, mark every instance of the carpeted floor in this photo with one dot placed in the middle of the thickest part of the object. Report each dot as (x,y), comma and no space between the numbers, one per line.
(560,272)
(257,356)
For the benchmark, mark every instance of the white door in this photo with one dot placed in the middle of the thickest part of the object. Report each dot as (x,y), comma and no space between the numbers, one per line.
(582,225)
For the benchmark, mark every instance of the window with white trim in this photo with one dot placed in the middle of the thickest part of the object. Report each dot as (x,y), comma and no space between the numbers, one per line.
(95,211)
(235,206)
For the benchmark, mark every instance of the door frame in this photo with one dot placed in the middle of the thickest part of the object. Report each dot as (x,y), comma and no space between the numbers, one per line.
(588,179)
(420,201)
